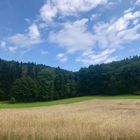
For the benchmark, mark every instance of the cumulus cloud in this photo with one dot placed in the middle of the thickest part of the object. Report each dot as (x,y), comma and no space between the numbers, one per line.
(32,37)
(12,49)
(112,35)
(107,37)
(48,11)
(67,7)
(138,2)
(62,57)
(2,44)
(43,52)
(119,31)
(92,57)
(34,33)
(94,45)
(73,37)
(94,16)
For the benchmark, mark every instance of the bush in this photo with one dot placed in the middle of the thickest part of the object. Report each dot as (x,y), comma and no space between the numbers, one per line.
(137,93)
(12,100)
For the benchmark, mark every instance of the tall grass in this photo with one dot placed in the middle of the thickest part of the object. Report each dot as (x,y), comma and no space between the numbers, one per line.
(88,120)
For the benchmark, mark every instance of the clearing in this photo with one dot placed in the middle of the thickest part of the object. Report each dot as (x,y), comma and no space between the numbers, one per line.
(98,119)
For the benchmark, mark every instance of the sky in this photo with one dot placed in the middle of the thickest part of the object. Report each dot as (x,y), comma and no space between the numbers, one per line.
(69,33)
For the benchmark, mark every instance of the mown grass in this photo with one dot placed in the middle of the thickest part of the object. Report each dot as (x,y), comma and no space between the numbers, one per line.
(4,105)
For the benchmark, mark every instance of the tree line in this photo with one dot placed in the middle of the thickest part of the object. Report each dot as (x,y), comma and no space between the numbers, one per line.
(27,82)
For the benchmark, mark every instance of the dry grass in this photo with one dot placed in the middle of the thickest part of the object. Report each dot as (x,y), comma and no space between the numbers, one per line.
(89,120)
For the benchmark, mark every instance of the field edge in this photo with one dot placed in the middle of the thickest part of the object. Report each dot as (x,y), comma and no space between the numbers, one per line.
(6,105)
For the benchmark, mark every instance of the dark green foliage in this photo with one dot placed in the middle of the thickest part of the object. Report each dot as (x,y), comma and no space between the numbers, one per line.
(2,95)
(25,89)
(27,82)
(122,77)
(137,93)
(12,100)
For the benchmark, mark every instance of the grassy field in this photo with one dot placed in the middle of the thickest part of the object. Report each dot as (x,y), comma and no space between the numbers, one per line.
(97,119)
(64,101)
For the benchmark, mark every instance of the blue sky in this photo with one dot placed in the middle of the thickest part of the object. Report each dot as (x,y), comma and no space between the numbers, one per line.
(69,33)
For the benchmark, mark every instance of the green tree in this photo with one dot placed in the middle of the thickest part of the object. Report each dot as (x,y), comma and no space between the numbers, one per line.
(1,94)
(25,89)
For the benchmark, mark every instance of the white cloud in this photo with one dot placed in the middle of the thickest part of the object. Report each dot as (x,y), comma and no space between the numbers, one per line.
(95,58)
(30,38)
(2,44)
(94,16)
(106,37)
(136,21)
(12,49)
(48,11)
(111,36)
(117,32)
(62,57)
(44,52)
(27,20)
(34,33)
(138,2)
(73,37)
(67,7)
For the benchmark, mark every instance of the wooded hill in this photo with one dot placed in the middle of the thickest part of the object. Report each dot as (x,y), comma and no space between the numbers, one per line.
(26,82)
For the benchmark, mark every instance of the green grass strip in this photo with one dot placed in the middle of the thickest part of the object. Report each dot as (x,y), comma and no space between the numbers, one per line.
(4,105)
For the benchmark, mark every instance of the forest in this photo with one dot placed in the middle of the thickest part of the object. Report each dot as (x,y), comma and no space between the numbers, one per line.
(29,82)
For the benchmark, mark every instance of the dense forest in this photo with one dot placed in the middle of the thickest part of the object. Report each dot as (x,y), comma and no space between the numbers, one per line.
(27,82)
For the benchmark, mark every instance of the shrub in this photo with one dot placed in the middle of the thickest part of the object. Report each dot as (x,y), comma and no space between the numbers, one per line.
(12,100)
(137,93)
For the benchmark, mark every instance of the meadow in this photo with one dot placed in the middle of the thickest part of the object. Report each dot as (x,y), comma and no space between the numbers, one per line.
(91,119)
(6,104)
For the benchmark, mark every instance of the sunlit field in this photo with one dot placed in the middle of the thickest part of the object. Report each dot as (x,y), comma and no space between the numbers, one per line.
(5,104)
(87,120)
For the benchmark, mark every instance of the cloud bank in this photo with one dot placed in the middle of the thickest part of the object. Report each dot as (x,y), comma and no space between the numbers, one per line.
(73,26)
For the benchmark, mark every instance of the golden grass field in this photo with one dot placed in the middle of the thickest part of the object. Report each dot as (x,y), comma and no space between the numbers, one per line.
(88,120)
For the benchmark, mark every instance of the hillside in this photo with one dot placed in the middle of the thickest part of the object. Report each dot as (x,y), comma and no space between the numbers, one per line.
(26,82)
